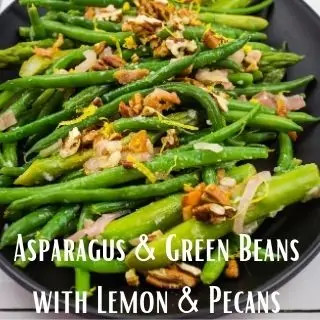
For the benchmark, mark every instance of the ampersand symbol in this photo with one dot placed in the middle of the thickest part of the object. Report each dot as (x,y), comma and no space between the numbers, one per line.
(186,295)
(144,244)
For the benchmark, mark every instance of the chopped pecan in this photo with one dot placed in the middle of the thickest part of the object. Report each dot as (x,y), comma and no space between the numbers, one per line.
(180,47)
(210,40)
(161,50)
(230,212)
(162,284)
(217,220)
(157,9)
(142,25)
(134,108)
(232,269)
(109,13)
(127,76)
(132,278)
(202,212)
(171,140)
(189,269)
(293,135)
(89,136)
(218,195)
(161,100)
(114,61)
(97,101)
(166,277)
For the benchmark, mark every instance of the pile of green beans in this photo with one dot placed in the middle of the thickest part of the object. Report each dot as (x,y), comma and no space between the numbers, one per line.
(154,137)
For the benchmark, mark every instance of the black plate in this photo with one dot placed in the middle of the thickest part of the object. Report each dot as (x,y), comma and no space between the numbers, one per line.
(292,21)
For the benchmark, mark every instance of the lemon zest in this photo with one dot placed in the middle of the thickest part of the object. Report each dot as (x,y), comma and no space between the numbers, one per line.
(86,112)
(247,48)
(173,123)
(126,7)
(142,168)
(107,130)
(130,43)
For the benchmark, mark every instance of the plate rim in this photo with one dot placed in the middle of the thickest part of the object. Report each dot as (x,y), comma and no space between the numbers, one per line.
(273,284)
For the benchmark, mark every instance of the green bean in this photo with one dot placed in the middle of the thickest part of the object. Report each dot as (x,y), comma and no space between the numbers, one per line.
(120,175)
(284,190)
(77,102)
(187,138)
(191,33)
(215,266)
(275,88)
(236,21)
(241,173)
(165,73)
(23,103)
(265,121)
(24,32)
(246,10)
(73,57)
(257,137)
(38,29)
(88,24)
(202,97)
(99,3)
(296,116)
(84,196)
(43,98)
(26,225)
(274,75)
(241,79)
(6,181)
(209,175)
(224,133)
(52,4)
(72,175)
(85,35)
(261,47)
(5,98)
(108,207)
(103,112)
(213,269)
(12,171)
(82,277)
(229,4)
(9,152)
(142,123)
(55,227)
(279,60)
(286,160)
(96,266)
(228,64)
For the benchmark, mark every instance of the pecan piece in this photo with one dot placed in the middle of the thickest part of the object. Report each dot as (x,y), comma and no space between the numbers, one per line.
(161,100)
(132,278)
(127,76)
(232,269)
(210,40)
(174,275)
(217,194)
